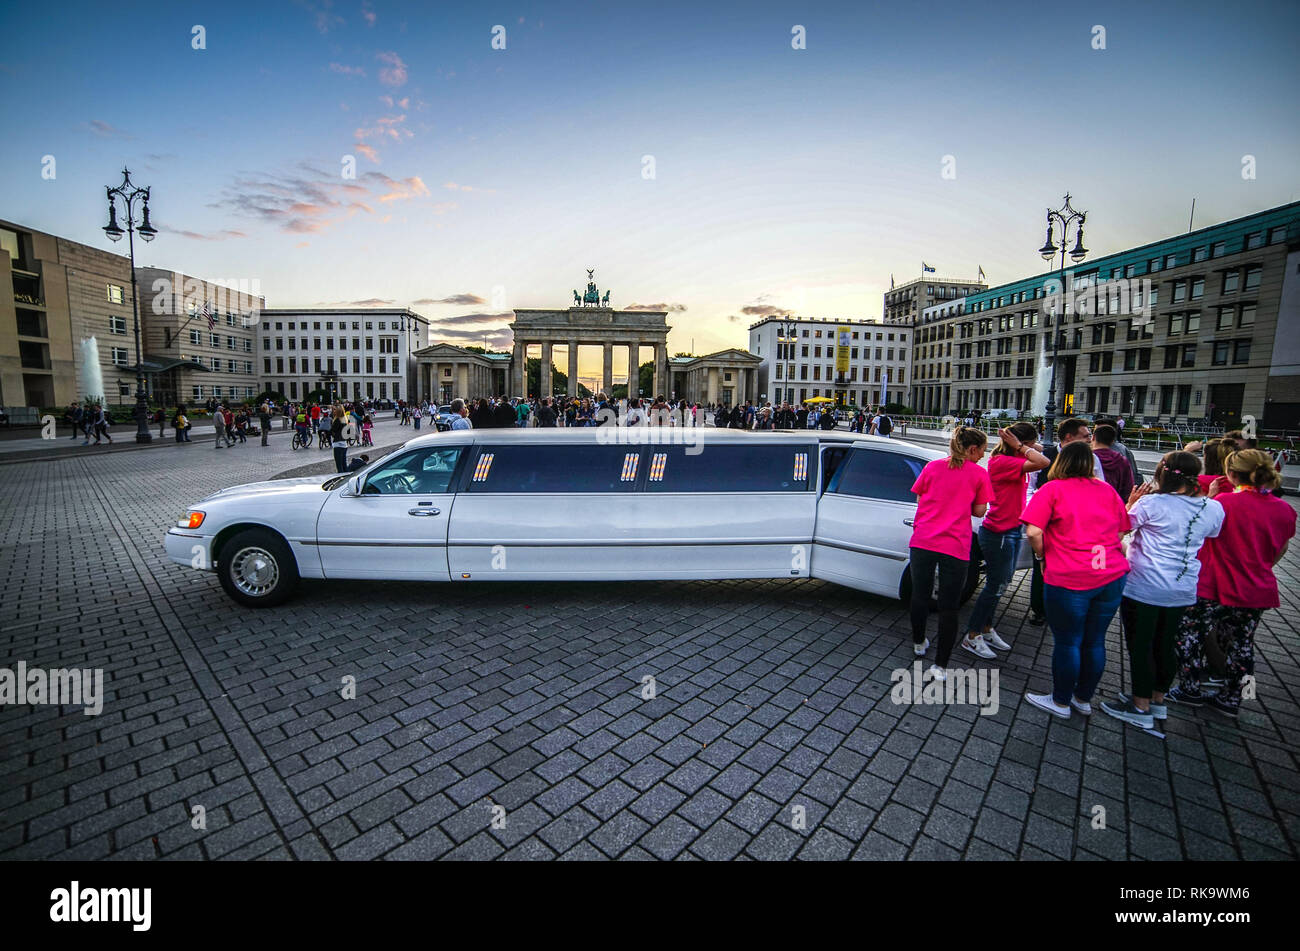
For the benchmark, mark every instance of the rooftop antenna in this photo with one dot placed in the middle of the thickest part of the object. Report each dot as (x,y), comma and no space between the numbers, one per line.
(1192,215)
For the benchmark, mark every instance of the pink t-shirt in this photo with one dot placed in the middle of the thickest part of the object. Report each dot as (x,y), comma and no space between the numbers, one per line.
(1007,473)
(945,498)
(1237,566)
(1082,520)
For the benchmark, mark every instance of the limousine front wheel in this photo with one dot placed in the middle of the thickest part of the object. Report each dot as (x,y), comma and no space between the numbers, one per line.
(257,568)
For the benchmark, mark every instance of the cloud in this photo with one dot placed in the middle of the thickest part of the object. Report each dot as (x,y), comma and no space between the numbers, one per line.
(368,13)
(669,308)
(367,151)
(311,201)
(322,14)
(302,244)
(106,131)
(454,187)
(386,127)
(368,302)
(347,70)
(470,319)
(459,300)
(196,236)
(763,310)
(390,102)
(394,74)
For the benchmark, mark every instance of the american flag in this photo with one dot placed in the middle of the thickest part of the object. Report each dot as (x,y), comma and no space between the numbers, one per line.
(207,312)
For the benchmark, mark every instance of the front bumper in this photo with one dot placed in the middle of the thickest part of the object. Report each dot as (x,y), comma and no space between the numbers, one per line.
(189,549)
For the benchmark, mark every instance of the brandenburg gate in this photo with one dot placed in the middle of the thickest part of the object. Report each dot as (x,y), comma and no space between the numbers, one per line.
(590,322)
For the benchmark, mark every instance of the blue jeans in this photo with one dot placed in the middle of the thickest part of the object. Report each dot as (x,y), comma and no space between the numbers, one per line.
(1000,550)
(1078,620)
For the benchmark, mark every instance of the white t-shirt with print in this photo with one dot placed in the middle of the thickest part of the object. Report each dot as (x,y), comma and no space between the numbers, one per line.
(1163,567)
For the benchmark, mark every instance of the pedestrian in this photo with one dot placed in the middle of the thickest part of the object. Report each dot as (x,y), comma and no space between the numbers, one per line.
(949,491)
(1115,466)
(264,420)
(503,414)
(1170,523)
(339,440)
(74,415)
(416,416)
(182,424)
(360,462)
(1000,535)
(461,416)
(160,417)
(229,419)
(219,426)
(102,422)
(1075,524)
(1236,584)
(1067,431)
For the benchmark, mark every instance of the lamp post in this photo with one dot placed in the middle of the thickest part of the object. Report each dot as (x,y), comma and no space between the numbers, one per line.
(128,193)
(1065,217)
(787,330)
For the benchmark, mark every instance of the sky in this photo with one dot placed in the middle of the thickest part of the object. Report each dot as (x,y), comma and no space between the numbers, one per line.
(688,152)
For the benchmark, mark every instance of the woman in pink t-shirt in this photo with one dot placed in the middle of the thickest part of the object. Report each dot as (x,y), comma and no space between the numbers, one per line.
(1014,457)
(948,492)
(1075,524)
(1236,584)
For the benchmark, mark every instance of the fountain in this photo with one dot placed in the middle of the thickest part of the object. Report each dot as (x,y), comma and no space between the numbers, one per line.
(1042,383)
(92,377)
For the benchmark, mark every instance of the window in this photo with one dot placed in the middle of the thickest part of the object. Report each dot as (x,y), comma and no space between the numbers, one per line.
(1193,323)
(1230,279)
(1216,249)
(1198,255)
(875,474)
(726,469)
(1171,358)
(1277,235)
(196,338)
(214,340)
(1254,240)
(1241,351)
(1247,316)
(1189,356)
(1153,265)
(1219,357)
(1171,260)
(1226,319)
(1198,288)
(1252,278)
(1175,324)
(117,325)
(115,293)
(1180,292)
(423,472)
(119,356)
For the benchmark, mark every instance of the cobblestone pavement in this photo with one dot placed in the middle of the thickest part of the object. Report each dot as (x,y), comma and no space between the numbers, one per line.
(773,701)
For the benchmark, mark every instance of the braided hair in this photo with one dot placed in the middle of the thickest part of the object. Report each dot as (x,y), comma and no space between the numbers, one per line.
(1177,472)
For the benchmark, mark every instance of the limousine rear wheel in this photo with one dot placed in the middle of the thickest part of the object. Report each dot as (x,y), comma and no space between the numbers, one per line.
(257,568)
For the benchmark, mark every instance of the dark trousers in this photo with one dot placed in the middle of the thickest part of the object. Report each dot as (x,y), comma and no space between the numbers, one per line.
(341,456)
(1151,634)
(952,577)
(1036,590)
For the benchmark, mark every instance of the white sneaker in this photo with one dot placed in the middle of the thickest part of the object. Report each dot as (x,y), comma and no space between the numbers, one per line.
(993,640)
(977,647)
(1044,701)
(920,649)
(1084,708)
(936,673)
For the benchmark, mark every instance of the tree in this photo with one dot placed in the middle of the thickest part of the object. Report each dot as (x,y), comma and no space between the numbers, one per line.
(273,395)
(318,395)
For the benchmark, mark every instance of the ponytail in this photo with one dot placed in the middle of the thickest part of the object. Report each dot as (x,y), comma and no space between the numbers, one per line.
(964,439)
(1254,468)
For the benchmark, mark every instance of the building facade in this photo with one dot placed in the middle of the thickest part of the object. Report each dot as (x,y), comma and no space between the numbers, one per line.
(799,360)
(904,304)
(65,320)
(200,338)
(353,354)
(1200,326)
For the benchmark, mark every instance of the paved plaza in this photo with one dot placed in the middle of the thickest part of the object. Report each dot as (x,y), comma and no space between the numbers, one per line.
(507,720)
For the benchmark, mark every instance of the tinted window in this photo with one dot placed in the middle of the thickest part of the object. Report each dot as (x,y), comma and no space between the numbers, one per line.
(422,472)
(528,468)
(715,468)
(873,474)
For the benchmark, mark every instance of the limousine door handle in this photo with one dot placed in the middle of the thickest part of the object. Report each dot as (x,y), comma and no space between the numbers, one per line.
(909,521)
(424,511)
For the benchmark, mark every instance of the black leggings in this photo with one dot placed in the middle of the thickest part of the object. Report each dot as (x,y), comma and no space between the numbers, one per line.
(952,578)
(1151,634)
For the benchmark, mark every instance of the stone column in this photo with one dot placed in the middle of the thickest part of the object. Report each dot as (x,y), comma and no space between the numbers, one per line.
(633,368)
(573,368)
(544,382)
(462,381)
(608,368)
(656,379)
(519,369)
(712,396)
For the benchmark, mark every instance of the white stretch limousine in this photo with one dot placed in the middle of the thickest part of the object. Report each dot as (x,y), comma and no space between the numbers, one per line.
(597,503)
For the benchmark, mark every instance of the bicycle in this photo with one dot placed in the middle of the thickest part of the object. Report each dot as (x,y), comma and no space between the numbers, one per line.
(301,440)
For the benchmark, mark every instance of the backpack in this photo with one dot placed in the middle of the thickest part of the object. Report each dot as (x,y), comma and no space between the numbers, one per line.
(886,426)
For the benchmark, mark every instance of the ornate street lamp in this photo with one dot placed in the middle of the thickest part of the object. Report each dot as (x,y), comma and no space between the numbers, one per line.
(1065,216)
(129,194)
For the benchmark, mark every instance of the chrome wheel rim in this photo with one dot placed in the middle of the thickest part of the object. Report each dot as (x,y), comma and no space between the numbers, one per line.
(254,572)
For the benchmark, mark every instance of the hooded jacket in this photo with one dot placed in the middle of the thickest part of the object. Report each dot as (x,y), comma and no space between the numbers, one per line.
(1116,470)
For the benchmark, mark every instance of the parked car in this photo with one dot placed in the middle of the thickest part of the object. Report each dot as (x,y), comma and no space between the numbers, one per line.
(576,505)
(443,419)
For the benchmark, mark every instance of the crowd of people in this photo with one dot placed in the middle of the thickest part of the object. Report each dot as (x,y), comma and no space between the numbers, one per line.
(1186,560)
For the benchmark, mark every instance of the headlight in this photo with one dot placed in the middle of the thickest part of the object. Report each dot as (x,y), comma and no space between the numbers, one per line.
(192,519)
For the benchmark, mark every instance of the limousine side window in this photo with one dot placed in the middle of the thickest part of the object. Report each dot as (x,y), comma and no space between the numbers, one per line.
(732,468)
(567,468)
(422,472)
(873,474)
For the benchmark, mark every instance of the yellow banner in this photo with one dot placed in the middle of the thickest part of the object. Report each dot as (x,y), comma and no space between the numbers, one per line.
(842,336)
